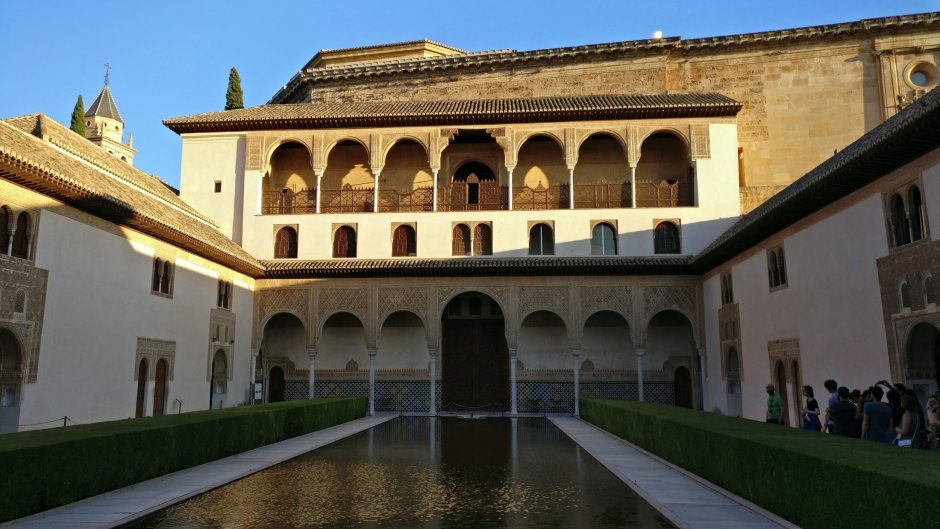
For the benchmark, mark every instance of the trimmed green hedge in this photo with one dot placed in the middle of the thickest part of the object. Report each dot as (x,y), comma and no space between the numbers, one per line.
(812,479)
(43,469)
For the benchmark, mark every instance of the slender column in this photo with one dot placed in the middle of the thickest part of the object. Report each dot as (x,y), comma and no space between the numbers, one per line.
(375,193)
(509,178)
(312,356)
(639,372)
(372,381)
(433,368)
(632,186)
(512,381)
(701,377)
(319,185)
(571,188)
(576,359)
(252,374)
(434,198)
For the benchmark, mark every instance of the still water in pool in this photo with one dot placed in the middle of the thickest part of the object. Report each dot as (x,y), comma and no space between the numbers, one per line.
(426,473)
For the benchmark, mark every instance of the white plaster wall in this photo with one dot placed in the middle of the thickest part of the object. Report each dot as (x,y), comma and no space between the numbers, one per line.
(98,304)
(403,344)
(207,158)
(715,387)
(543,343)
(606,342)
(340,344)
(832,304)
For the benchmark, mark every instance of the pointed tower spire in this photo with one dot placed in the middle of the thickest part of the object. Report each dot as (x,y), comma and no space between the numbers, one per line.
(104,125)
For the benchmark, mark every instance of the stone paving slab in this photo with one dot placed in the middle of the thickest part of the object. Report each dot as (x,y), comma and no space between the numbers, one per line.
(122,506)
(686,500)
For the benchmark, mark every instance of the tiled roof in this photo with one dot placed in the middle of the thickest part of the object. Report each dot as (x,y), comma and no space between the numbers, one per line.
(392,45)
(489,60)
(477,267)
(898,141)
(43,127)
(31,158)
(458,112)
(104,106)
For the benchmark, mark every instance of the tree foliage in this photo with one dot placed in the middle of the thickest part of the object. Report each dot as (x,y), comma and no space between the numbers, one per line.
(233,97)
(78,117)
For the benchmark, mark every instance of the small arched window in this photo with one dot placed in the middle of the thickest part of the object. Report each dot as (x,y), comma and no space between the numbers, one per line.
(905,294)
(344,242)
(899,225)
(404,241)
(19,302)
(541,240)
(603,240)
(666,238)
(930,293)
(916,207)
(5,216)
(482,240)
(21,237)
(285,243)
(461,242)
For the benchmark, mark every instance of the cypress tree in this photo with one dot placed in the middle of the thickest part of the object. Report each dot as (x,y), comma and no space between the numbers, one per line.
(78,117)
(233,97)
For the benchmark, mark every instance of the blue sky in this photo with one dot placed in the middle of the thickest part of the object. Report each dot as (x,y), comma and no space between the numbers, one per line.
(171,58)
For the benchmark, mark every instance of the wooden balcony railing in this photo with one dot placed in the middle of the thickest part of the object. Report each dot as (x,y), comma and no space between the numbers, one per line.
(482,196)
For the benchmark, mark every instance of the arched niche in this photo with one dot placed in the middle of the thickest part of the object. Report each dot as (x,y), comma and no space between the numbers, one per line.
(406,167)
(541,162)
(664,172)
(290,168)
(607,342)
(342,339)
(285,337)
(403,342)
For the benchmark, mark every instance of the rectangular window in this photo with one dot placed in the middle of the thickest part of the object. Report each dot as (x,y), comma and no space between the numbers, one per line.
(224,297)
(218,186)
(777,268)
(727,289)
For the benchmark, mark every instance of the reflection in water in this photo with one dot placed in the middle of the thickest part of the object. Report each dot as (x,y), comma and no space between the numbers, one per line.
(426,473)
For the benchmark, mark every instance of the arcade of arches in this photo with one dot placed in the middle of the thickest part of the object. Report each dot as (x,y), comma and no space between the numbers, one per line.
(502,345)
(477,169)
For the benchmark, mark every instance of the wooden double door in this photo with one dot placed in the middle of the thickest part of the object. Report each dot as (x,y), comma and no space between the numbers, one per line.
(475,365)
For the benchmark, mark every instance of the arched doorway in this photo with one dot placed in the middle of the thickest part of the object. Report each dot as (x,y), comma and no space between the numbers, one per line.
(922,371)
(159,388)
(733,365)
(218,385)
(474,355)
(780,379)
(141,388)
(11,376)
(682,378)
(276,384)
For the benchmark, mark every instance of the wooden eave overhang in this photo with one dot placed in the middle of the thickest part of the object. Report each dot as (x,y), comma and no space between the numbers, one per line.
(458,113)
(903,138)
(476,267)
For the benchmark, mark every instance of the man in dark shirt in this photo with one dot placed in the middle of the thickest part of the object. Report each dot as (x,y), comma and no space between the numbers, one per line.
(842,414)
(877,419)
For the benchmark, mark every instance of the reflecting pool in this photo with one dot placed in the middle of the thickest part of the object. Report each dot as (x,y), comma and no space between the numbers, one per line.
(419,472)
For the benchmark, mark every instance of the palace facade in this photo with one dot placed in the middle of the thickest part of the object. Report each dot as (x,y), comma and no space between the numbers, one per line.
(451,231)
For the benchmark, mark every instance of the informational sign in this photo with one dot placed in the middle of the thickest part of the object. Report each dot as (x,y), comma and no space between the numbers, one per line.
(257,390)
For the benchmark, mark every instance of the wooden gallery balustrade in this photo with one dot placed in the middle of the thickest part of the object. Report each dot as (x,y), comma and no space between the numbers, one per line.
(477,196)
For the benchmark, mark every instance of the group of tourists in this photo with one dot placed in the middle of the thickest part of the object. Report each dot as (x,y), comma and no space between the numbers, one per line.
(901,421)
